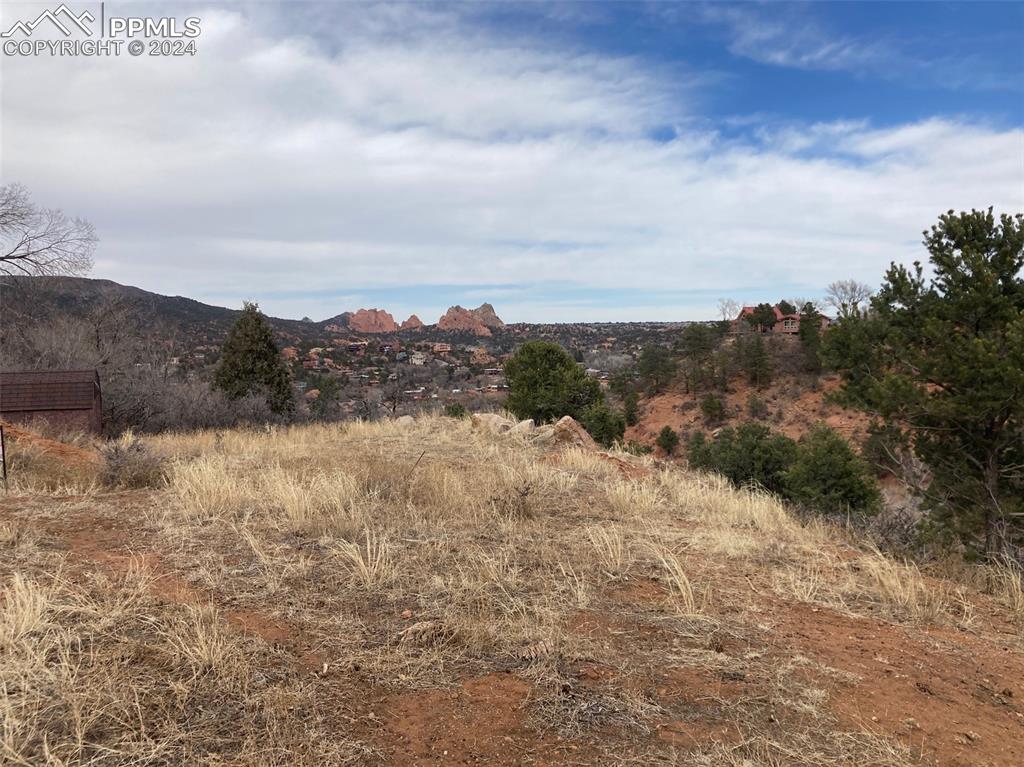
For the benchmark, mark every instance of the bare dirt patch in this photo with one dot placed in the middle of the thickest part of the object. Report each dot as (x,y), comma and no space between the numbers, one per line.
(953,697)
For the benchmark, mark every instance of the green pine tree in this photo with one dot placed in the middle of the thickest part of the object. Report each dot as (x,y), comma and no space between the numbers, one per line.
(668,440)
(828,477)
(756,361)
(940,359)
(251,364)
(546,383)
(810,337)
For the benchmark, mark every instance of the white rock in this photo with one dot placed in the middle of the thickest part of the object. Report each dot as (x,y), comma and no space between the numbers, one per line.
(524,427)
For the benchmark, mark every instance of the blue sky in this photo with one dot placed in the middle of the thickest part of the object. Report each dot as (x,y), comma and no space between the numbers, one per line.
(599,161)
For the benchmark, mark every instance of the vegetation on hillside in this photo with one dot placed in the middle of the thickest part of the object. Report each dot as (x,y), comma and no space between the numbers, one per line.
(940,359)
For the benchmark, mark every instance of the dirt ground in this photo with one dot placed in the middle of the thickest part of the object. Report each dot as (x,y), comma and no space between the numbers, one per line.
(792,409)
(761,671)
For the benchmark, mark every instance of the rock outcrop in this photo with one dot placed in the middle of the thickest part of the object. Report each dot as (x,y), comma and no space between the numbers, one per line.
(480,321)
(491,422)
(571,432)
(372,321)
(486,314)
(413,323)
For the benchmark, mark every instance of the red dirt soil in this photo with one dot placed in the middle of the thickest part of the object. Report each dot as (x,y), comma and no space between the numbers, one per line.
(954,698)
(790,411)
(51,447)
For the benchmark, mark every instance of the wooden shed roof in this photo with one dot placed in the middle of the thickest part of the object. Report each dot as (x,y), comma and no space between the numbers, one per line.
(48,390)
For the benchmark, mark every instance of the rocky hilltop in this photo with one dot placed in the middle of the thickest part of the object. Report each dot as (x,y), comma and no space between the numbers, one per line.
(480,321)
(413,323)
(372,321)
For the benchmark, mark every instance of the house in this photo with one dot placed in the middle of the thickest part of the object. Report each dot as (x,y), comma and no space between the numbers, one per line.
(66,399)
(441,348)
(784,324)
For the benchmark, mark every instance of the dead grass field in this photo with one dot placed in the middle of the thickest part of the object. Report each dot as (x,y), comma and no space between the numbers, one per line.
(431,594)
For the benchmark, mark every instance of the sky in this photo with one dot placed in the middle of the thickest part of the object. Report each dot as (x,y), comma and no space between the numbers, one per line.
(566,162)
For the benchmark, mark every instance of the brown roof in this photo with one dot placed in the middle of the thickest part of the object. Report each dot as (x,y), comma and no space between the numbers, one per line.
(48,390)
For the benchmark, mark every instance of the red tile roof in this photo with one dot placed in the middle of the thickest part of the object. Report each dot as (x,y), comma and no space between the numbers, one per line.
(48,390)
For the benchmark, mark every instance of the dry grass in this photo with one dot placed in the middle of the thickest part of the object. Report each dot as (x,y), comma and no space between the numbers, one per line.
(903,588)
(291,570)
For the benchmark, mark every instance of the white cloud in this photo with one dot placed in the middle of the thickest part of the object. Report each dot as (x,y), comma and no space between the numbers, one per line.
(429,152)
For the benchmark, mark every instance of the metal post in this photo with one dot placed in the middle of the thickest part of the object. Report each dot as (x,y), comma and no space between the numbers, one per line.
(3,454)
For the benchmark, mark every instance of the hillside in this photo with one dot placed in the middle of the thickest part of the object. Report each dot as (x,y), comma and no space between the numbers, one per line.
(427,592)
(792,405)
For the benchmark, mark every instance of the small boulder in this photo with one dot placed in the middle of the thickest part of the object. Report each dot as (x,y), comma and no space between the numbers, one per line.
(490,422)
(405,421)
(543,435)
(524,427)
(571,432)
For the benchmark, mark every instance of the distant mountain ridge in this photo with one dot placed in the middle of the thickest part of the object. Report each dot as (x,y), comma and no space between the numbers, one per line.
(78,296)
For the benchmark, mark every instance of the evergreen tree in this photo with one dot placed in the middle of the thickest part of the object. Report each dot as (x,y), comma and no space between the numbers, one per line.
(668,440)
(786,307)
(697,344)
(828,477)
(604,425)
(656,367)
(631,408)
(941,361)
(749,454)
(762,318)
(810,337)
(251,364)
(545,383)
(756,362)
(713,410)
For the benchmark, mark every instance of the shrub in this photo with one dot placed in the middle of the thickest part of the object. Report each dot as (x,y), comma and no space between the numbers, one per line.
(545,383)
(668,440)
(828,476)
(713,409)
(756,407)
(751,453)
(631,408)
(129,464)
(635,448)
(604,425)
(455,410)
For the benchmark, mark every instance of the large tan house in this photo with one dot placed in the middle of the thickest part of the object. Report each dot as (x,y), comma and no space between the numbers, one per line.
(785,324)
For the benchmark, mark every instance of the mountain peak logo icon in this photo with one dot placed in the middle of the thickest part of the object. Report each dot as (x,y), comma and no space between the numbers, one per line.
(62,18)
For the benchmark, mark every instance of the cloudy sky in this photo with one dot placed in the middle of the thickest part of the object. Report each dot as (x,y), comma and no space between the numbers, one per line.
(565,162)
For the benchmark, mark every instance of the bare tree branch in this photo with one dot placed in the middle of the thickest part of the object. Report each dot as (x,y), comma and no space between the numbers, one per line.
(847,296)
(40,241)
(728,308)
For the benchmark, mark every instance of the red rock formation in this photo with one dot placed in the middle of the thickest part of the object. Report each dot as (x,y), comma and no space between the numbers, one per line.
(413,323)
(478,321)
(485,313)
(372,321)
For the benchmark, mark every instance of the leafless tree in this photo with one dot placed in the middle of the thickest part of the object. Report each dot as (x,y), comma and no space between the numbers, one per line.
(41,241)
(847,296)
(728,308)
